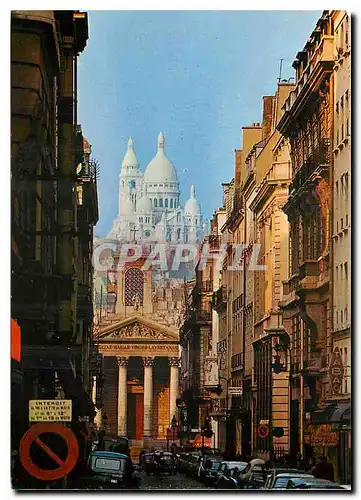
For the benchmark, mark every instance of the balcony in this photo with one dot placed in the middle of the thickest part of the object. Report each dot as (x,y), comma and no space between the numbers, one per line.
(319,157)
(207,286)
(289,291)
(214,241)
(322,57)
(202,316)
(309,80)
(237,362)
(315,365)
(308,268)
(219,298)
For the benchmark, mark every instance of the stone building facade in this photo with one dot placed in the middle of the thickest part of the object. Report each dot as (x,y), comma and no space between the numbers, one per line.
(54,207)
(141,355)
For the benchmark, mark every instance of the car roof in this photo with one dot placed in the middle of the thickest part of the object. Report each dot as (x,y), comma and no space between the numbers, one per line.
(295,474)
(109,454)
(314,480)
(234,462)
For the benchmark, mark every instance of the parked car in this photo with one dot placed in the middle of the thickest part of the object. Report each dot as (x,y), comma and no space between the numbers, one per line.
(110,470)
(229,479)
(280,480)
(168,464)
(225,468)
(183,462)
(273,474)
(253,476)
(312,484)
(194,460)
(148,463)
(208,469)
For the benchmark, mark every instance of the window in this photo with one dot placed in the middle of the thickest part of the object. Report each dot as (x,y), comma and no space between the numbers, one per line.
(171,203)
(341,317)
(346,271)
(178,234)
(155,203)
(110,464)
(336,317)
(160,202)
(341,223)
(166,203)
(133,285)
(336,188)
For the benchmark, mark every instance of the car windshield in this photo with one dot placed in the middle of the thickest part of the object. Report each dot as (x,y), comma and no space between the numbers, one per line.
(282,481)
(109,464)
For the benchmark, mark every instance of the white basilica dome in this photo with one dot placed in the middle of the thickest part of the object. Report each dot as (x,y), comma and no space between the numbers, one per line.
(130,159)
(192,206)
(160,169)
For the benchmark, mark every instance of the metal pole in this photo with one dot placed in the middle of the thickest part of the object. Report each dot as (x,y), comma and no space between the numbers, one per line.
(302,410)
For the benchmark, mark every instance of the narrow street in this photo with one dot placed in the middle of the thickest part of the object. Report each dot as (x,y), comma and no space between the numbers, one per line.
(174,482)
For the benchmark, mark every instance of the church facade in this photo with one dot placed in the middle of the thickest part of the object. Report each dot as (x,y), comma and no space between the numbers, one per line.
(138,338)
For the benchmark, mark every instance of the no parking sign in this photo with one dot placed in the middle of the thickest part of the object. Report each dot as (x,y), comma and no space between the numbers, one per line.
(33,435)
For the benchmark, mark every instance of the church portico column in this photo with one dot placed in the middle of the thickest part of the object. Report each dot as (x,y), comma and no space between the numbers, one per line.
(173,387)
(148,396)
(122,395)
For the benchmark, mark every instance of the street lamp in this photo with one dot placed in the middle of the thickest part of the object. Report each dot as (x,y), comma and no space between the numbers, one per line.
(180,405)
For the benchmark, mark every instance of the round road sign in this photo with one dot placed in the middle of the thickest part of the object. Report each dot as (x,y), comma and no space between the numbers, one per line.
(263,431)
(33,436)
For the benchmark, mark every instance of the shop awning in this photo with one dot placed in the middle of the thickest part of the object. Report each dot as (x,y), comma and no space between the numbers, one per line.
(342,414)
(333,414)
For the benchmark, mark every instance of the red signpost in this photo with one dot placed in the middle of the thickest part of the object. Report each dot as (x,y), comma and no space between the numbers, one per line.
(263,431)
(33,436)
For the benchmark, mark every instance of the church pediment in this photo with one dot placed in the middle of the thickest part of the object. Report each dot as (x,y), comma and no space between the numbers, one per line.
(137,329)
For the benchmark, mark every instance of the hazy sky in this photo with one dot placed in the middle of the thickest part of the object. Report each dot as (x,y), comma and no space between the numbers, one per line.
(197,76)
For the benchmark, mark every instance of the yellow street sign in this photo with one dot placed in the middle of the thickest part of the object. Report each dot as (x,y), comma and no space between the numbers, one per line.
(50,410)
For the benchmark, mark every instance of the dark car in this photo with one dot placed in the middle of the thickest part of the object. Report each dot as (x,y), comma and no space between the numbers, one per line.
(253,476)
(209,468)
(148,463)
(229,479)
(312,484)
(225,469)
(183,462)
(280,481)
(110,470)
(194,460)
(167,463)
(273,474)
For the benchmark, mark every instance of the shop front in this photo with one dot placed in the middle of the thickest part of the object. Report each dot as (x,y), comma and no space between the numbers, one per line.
(329,434)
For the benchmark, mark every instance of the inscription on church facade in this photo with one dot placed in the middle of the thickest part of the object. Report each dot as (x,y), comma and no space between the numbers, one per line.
(138,349)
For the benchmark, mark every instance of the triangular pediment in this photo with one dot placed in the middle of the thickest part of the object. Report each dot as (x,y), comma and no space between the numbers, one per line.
(138,328)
